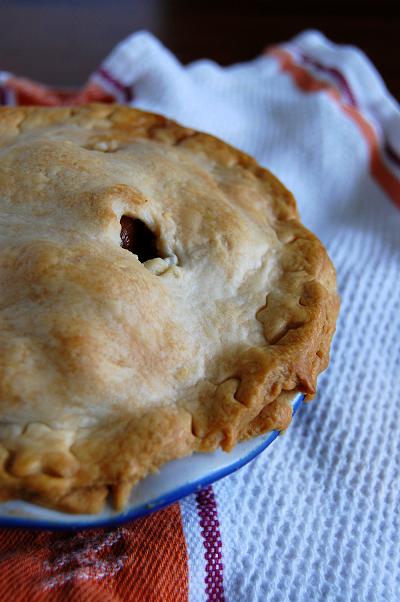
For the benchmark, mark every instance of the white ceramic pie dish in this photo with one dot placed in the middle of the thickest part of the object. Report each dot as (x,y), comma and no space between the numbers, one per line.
(173,482)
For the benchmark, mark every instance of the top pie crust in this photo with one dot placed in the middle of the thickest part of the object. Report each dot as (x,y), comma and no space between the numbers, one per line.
(109,366)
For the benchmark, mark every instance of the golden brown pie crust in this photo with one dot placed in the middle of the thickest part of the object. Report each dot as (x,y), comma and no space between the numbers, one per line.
(109,366)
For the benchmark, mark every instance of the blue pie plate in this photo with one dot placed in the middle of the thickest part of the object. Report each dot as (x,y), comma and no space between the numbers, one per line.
(174,481)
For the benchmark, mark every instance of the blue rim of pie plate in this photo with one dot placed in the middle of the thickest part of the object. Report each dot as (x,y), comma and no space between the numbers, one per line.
(16,513)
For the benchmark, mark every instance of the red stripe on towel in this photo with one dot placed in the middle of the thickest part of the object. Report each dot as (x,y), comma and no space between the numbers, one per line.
(212,542)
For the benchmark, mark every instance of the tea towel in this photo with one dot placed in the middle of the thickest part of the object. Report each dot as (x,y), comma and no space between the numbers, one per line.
(317,515)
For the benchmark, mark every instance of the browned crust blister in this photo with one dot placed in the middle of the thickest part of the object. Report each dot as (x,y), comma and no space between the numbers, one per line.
(75,471)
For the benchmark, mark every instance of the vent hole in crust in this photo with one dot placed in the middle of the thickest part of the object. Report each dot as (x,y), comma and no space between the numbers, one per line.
(137,238)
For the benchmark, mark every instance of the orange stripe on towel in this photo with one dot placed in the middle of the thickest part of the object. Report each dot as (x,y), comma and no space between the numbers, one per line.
(308,83)
(142,560)
(28,92)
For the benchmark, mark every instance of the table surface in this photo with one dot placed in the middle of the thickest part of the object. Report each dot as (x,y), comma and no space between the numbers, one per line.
(61,41)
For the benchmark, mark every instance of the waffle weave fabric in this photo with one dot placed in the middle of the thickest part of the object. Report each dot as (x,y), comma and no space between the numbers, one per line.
(317,516)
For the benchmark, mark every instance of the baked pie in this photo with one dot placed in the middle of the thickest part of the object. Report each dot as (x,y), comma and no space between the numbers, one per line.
(159,297)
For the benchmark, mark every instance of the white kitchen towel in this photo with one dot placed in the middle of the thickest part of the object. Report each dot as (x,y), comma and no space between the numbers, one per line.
(317,515)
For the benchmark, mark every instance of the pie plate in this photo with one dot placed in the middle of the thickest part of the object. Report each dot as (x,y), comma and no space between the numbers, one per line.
(174,481)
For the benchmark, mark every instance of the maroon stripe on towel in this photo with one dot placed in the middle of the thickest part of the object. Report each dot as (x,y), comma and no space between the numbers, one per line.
(212,542)
(337,75)
(126,90)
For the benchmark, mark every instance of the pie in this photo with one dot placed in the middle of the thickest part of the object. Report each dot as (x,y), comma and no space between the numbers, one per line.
(158,297)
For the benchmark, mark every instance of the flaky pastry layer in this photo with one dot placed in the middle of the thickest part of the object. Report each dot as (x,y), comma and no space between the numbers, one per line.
(116,360)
